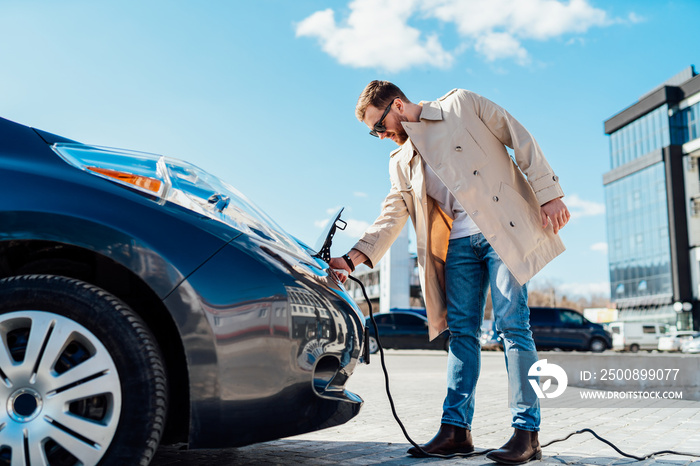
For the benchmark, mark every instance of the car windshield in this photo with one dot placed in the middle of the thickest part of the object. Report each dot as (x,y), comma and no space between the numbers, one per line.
(203,191)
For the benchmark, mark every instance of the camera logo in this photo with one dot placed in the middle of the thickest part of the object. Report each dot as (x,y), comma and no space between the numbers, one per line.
(543,369)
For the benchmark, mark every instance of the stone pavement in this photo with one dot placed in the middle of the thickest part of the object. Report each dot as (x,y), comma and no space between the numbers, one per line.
(418,387)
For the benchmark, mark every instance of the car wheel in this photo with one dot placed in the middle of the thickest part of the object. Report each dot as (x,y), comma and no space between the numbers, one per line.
(373,345)
(81,376)
(597,345)
(634,348)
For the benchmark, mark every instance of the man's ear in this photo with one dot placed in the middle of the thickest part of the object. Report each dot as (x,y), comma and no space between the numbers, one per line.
(400,106)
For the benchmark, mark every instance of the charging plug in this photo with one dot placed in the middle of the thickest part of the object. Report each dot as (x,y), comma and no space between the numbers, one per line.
(342,272)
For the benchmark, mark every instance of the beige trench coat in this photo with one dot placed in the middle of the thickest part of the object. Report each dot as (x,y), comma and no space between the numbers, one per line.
(462,137)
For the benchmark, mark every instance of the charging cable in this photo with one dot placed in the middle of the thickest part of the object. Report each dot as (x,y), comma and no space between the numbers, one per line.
(482,452)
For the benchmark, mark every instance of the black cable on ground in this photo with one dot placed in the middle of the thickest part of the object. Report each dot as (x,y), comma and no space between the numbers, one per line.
(612,445)
(483,452)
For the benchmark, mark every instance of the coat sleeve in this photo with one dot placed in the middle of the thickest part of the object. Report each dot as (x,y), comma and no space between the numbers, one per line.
(528,154)
(378,238)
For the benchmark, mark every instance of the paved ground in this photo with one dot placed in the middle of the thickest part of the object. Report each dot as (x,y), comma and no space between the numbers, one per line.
(417,383)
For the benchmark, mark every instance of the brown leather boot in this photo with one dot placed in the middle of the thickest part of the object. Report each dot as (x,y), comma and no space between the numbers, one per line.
(522,447)
(449,440)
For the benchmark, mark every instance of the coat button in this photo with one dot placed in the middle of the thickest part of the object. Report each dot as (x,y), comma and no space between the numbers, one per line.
(495,198)
(458,148)
(476,172)
(512,224)
(555,178)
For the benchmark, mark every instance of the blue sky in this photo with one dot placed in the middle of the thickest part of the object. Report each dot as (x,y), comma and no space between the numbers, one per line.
(262,93)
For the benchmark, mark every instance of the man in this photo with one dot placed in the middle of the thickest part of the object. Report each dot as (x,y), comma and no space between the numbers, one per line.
(481,219)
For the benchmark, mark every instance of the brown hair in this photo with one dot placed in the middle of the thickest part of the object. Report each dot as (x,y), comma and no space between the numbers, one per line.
(377,94)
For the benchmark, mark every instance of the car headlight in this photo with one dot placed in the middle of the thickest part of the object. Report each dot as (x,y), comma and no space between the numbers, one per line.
(172,180)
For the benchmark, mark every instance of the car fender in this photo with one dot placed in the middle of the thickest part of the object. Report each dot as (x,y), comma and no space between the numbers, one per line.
(161,266)
(251,347)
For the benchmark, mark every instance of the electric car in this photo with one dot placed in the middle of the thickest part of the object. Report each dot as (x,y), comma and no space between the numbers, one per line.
(143,300)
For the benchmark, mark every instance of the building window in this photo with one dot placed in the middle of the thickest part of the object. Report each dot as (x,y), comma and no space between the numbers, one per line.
(639,258)
(685,124)
(646,134)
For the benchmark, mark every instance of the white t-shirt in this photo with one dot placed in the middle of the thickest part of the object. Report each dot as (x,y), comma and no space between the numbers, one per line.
(462,224)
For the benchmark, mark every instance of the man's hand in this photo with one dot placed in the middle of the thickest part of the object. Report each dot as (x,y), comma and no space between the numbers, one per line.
(556,211)
(339,263)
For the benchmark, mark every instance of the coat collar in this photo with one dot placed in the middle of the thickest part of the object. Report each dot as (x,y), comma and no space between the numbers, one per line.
(431,111)
(416,130)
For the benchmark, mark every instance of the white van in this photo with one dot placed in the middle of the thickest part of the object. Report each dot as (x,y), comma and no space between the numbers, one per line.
(633,336)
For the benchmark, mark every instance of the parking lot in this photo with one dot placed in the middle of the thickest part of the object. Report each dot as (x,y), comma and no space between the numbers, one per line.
(417,383)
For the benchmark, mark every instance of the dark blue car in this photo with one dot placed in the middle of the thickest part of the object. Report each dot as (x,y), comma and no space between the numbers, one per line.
(404,330)
(560,328)
(144,300)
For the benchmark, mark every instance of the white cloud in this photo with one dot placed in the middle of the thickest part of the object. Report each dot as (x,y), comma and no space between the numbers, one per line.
(377,34)
(527,19)
(576,41)
(321,224)
(360,194)
(600,247)
(355,228)
(496,45)
(582,208)
(635,18)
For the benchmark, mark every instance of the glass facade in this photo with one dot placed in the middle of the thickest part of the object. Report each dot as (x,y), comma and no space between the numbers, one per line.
(662,314)
(640,253)
(638,235)
(685,124)
(648,133)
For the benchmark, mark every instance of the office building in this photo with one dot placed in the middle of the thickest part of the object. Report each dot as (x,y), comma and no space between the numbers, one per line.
(652,195)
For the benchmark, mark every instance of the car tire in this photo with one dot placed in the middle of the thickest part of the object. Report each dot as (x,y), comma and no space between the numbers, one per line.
(597,345)
(84,378)
(634,348)
(373,345)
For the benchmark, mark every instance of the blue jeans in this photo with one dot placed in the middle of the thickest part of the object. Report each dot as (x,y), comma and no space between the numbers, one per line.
(471,266)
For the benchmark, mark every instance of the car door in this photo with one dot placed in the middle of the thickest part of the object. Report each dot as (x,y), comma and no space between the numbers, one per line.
(411,331)
(542,326)
(651,334)
(572,332)
(385,325)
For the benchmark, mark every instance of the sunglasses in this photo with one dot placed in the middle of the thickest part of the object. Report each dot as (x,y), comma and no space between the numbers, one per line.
(379,127)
